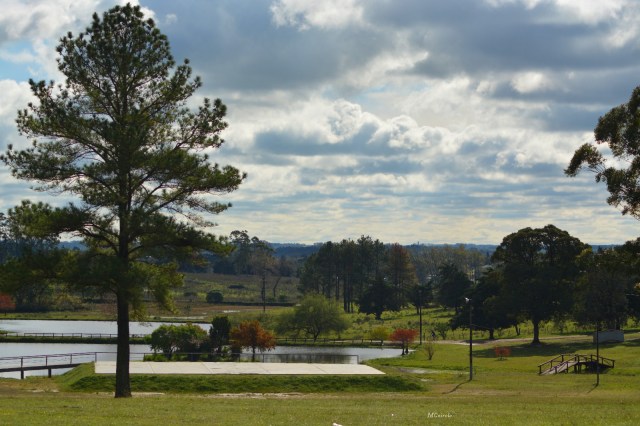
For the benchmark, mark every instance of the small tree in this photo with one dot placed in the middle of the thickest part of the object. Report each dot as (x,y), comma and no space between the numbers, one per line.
(404,336)
(250,334)
(430,346)
(502,352)
(314,316)
(219,333)
(380,333)
(169,339)
(6,303)
(441,329)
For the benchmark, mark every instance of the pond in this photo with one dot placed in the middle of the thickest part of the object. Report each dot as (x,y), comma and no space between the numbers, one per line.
(279,354)
(85,327)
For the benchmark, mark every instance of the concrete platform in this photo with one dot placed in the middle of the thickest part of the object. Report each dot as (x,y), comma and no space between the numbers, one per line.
(139,367)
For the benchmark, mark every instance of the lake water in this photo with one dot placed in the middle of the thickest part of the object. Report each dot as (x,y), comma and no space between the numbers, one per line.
(108,350)
(87,327)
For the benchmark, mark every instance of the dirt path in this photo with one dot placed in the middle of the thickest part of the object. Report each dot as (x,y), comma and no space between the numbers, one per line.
(571,337)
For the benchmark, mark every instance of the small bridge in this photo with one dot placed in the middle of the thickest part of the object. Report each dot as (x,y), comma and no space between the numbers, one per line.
(566,362)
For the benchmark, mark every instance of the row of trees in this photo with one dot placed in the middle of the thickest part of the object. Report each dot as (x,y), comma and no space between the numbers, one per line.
(534,275)
(314,316)
(191,340)
(375,277)
(546,274)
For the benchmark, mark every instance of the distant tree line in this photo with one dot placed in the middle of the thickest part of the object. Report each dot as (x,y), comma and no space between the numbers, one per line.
(370,276)
(534,275)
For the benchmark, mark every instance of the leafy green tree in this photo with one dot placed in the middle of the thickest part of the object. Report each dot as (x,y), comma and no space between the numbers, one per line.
(401,272)
(315,315)
(490,307)
(380,333)
(254,256)
(184,338)
(421,295)
(441,329)
(429,259)
(631,250)
(619,129)
(219,333)
(451,284)
(601,293)
(379,297)
(539,270)
(117,135)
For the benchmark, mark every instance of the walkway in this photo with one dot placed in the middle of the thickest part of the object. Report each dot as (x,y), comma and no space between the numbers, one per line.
(109,367)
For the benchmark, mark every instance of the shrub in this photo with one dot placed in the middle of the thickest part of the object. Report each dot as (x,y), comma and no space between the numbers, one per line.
(214,297)
(177,338)
(502,352)
(379,333)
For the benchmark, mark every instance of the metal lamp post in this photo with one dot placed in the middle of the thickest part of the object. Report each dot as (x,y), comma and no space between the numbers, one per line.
(470,338)
(420,293)
(598,353)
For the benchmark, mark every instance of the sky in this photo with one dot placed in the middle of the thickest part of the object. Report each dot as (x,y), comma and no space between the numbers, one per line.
(411,121)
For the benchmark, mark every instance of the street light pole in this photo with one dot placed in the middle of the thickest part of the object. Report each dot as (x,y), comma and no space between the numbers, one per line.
(420,310)
(598,353)
(470,338)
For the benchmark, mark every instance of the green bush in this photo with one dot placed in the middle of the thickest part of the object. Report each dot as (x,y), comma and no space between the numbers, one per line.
(214,297)
(178,338)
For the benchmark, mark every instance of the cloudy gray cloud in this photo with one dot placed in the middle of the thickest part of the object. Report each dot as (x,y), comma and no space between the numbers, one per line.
(410,121)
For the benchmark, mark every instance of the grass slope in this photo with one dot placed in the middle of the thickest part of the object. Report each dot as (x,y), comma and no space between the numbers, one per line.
(83,379)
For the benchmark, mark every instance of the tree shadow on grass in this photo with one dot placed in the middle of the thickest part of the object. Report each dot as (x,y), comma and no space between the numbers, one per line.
(546,349)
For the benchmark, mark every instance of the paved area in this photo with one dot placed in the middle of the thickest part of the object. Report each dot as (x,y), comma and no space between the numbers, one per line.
(109,367)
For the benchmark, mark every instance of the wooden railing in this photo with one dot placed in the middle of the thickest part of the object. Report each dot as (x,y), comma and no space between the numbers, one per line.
(69,335)
(45,362)
(563,362)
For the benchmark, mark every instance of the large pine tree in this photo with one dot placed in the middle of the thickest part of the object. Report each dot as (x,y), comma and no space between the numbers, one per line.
(117,134)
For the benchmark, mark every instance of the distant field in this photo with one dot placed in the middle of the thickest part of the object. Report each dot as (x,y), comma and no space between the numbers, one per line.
(242,288)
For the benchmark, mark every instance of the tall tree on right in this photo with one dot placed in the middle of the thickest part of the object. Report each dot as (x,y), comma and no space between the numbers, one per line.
(602,295)
(451,285)
(620,130)
(539,271)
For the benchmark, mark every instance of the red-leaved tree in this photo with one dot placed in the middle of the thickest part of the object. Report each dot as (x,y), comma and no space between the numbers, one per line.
(404,336)
(6,303)
(250,334)
(502,352)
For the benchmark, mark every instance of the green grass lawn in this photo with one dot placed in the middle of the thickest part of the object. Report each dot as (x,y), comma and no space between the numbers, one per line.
(415,391)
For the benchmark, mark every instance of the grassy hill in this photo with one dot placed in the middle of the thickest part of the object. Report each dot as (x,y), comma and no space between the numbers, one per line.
(415,391)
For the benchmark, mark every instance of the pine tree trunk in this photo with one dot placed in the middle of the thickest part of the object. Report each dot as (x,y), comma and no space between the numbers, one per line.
(123,384)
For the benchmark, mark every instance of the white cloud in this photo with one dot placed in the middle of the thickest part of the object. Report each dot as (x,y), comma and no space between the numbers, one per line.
(326,14)
(532,81)
(434,122)
(15,95)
